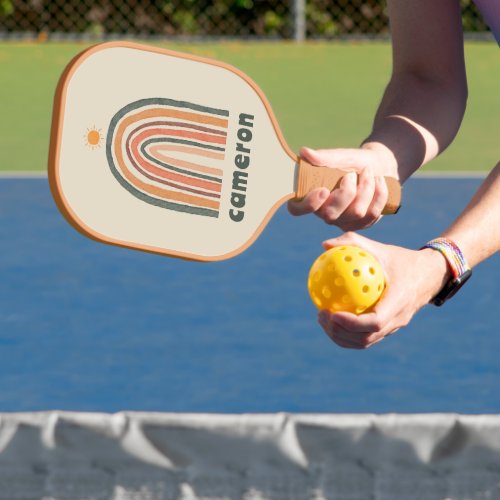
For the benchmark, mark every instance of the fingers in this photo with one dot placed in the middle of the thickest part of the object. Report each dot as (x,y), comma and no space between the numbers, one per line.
(380,197)
(318,197)
(363,209)
(364,195)
(352,238)
(359,200)
(353,205)
(355,332)
(311,203)
(335,205)
(365,330)
(367,208)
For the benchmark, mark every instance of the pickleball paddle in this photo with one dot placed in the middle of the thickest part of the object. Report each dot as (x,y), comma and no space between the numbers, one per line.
(172,153)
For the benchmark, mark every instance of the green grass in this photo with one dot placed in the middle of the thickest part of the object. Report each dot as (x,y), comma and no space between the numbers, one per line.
(324,95)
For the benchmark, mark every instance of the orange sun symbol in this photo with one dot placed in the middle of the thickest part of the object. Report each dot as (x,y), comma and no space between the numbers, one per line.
(93,138)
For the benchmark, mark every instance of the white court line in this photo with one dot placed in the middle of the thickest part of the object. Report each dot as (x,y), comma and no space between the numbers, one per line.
(35,174)
(454,174)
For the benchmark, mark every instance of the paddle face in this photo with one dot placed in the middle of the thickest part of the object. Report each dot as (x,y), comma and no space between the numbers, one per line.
(166,152)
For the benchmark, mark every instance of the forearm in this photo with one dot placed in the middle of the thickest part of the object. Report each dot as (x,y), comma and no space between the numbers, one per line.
(477,230)
(424,103)
(416,121)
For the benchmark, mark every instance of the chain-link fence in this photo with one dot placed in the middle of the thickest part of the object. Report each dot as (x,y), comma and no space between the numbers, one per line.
(206,18)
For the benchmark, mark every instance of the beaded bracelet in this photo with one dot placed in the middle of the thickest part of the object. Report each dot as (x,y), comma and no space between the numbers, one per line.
(459,267)
(452,254)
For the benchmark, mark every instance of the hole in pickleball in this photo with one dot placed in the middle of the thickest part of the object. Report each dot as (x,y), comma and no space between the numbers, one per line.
(346,299)
(317,300)
(363,254)
(317,276)
(366,289)
(339,281)
(356,273)
(327,293)
(348,258)
(372,270)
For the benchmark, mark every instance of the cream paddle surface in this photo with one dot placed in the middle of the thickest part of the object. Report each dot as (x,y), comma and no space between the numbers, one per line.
(171,153)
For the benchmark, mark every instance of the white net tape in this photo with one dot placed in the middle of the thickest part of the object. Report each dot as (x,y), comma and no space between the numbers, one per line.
(160,456)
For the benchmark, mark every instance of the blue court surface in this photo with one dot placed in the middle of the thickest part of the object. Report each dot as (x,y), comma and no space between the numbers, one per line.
(90,327)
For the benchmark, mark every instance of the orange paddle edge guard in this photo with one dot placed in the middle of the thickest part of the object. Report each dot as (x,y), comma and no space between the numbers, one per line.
(55,141)
(307,177)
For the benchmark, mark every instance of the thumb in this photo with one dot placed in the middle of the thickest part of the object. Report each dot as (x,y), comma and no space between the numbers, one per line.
(348,238)
(349,159)
(313,156)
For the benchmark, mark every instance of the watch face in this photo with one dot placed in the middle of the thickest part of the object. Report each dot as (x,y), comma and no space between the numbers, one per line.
(451,288)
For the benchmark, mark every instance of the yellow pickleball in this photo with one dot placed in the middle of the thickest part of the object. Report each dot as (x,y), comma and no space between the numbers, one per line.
(346,278)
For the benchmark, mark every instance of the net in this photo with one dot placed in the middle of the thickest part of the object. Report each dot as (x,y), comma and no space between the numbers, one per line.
(159,456)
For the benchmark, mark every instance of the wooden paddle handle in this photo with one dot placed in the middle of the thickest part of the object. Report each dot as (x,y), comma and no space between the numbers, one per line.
(310,177)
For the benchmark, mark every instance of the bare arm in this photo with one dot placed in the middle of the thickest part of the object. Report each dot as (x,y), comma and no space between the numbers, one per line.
(418,117)
(424,103)
(477,230)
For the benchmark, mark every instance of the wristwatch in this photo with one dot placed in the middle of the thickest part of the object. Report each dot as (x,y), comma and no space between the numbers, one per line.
(460,270)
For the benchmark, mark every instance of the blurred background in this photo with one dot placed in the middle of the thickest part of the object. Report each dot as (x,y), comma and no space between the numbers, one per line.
(283,19)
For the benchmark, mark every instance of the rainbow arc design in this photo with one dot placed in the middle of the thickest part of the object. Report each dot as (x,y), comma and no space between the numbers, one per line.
(166,153)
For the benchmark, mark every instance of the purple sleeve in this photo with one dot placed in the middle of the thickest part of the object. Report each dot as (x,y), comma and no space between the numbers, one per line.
(490,9)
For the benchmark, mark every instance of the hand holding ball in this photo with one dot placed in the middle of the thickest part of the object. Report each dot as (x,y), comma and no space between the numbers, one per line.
(346,278)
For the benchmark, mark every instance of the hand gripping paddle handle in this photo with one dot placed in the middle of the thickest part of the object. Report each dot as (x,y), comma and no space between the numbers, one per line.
(310,177)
